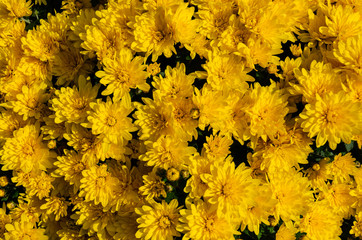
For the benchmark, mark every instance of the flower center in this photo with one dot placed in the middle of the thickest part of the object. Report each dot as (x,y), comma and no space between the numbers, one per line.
(332,116)
(111,121)
(164,222)
(28,149)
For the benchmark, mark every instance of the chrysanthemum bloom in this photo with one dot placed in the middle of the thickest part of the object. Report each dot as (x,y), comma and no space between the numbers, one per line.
(184,123)
(232,189)
(339,198)
(30,102)
(70,166)
(94,148)
(321,222)
(212,107)
(40,44)
(107,33)
(157,31)
(9,122)
(168,152)
(320,79)
(356,229)
(287,149)
(153,186)
(40,185)
(126,226)
(214,18)
(78,26)
(97,223)
(121,73)
(4,219)
(98,185)
(10,10)
(195,186)
(227,71)
(55,205)
(318,174)
(125,195)
(69,64)
(342,22)
(348,53)
(24,229)
(293,194)
(176,85)
(267,111)
(71,104)
(200,221)
(286,233)
(153,118)
(158,221)
(110,119)
(342,167)
(260,211)
(26,151)
(332,118)
(217,147)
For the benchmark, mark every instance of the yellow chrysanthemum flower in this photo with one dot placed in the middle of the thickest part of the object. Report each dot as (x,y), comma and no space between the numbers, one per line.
(158,221)
(153,118)
(267,112)
(98,185)
(287,149)
(320,79)
(26,151)
(69,65)
(24,229)
(93,148)
(285,233)
(195,186)
(293,194)
(216,147)
(125,196)
(321,222)
(40,44)
(157,31)
(13,9)
(211,108)
(94,221)
(184,122)
(30,102)
(342,168)
(356,229)
(348,53)
(153,186)
(110,118)
(121,73)
(342,22)
(168,152)
(176,85)
(318,174)
(339,198)
(227,71)
(332,118)
(40,185)
(232,189)
(71,104)
(55,205)
(70,166)
(101,37)
(200,221)
(9,122)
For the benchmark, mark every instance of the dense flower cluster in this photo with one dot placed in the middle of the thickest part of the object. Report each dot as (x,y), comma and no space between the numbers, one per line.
(114,134)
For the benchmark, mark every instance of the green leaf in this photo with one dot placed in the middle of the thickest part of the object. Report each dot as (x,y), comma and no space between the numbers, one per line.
(349,146)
